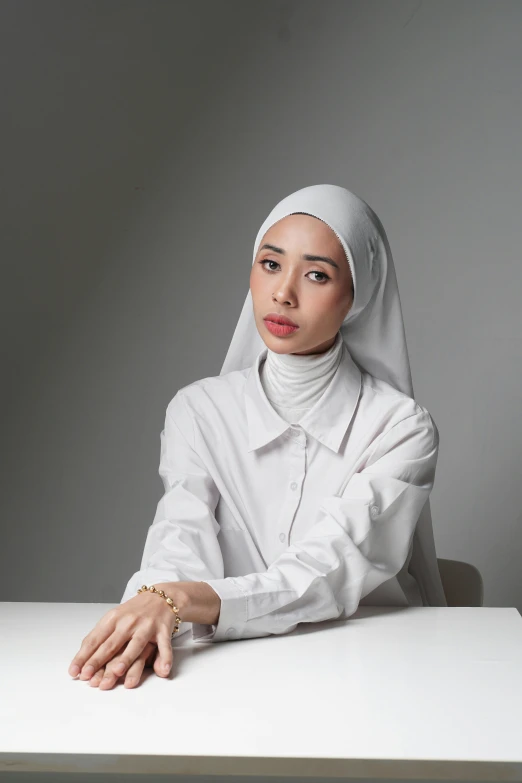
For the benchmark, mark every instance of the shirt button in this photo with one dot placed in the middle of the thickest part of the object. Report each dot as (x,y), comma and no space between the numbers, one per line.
(374,510)
(282,536)
(230,632)
(293,485)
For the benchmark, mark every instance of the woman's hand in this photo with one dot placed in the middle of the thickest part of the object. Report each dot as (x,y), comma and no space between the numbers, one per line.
(129,637)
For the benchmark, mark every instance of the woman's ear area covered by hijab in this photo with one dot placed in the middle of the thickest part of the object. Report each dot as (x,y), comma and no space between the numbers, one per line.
(301,272)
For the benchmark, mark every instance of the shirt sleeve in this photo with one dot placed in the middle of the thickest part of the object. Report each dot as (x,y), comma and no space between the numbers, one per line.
(181,543)
(359,539)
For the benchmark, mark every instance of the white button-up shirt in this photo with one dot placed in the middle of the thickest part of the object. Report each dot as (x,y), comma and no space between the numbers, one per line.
(290,523)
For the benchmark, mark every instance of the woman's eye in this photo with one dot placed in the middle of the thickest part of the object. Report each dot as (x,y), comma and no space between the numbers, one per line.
(324,276)
(268,261)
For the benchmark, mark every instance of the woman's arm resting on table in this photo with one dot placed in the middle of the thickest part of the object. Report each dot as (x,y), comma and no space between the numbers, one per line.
(359,540)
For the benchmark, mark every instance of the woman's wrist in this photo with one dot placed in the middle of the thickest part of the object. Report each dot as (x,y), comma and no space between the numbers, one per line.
(172,591)
(197,602)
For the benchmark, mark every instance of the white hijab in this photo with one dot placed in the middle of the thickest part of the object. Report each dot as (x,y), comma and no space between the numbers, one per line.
(373,329)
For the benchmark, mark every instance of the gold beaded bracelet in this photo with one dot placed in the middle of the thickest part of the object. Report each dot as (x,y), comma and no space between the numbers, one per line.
(170,602)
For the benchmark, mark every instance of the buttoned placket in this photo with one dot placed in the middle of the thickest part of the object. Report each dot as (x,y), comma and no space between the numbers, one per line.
(296,460)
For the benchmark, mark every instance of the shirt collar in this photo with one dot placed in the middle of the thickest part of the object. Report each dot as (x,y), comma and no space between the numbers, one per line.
(327,420)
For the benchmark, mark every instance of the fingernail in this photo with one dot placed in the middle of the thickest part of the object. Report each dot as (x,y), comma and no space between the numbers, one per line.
(73,671)
(166,667)
(120,668)
(89,670)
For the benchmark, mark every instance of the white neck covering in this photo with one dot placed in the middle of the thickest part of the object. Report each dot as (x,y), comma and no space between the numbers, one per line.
(373,329)
(293,383)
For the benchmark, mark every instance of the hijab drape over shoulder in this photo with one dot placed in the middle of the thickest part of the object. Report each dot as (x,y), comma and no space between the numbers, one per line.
(373,330)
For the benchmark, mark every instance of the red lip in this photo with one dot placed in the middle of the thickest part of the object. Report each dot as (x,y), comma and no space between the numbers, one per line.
(279,319)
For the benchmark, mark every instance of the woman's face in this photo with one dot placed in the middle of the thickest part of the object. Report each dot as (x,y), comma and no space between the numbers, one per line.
(314,294)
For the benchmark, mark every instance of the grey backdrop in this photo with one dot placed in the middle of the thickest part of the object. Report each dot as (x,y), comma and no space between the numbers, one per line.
(143,144)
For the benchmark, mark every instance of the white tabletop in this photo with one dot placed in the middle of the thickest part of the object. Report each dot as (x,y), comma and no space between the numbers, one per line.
(410,693)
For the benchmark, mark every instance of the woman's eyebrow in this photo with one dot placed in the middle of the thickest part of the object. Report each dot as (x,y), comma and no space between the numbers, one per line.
(305,257)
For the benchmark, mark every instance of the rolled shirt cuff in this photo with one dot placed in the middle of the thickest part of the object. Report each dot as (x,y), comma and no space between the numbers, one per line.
(232,617)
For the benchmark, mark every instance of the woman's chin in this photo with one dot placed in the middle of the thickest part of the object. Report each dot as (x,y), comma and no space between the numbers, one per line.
(285,345)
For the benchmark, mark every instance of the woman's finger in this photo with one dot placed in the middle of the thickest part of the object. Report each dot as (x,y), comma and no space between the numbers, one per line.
(163,662)
(97,677)
(101,631)
(135,671)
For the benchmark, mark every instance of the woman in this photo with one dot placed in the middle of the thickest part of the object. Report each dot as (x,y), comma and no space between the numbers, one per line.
(297,481)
